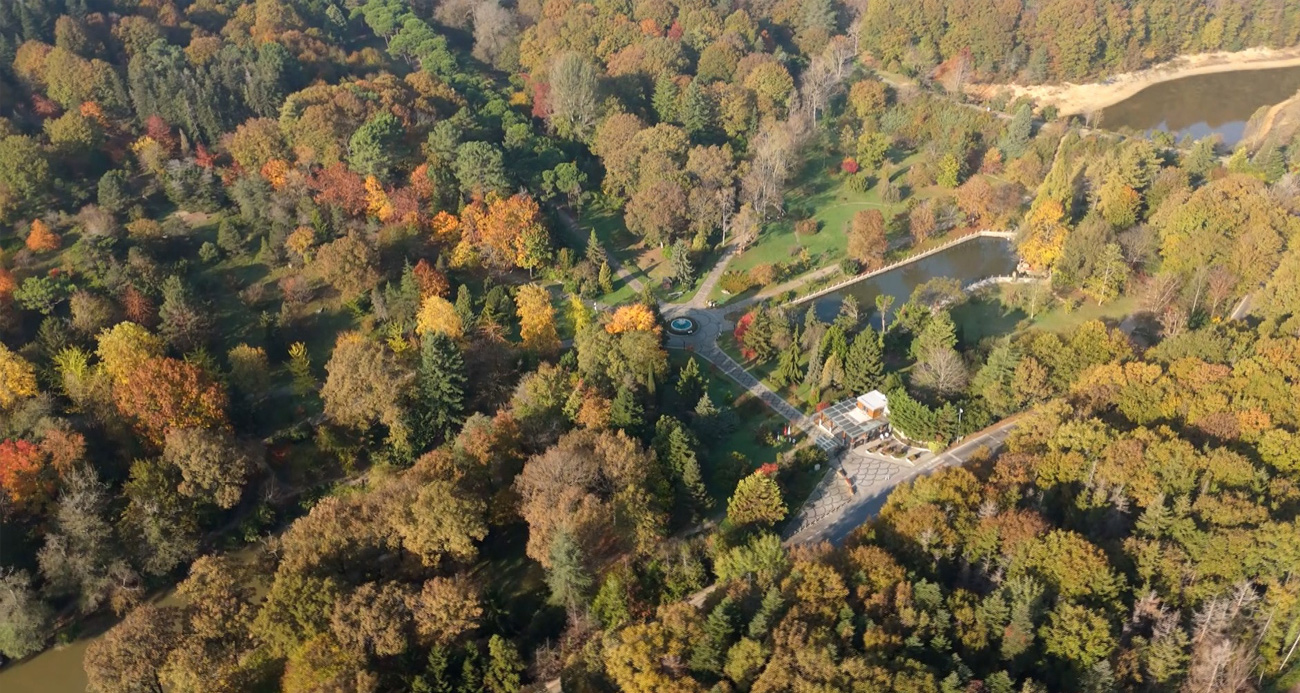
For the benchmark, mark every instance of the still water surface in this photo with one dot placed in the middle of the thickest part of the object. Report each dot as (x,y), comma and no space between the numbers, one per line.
(967,262)
(1201,105)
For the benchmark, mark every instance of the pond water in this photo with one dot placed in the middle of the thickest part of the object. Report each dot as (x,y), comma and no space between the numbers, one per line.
(1201,105)
(59,669)
(967,262)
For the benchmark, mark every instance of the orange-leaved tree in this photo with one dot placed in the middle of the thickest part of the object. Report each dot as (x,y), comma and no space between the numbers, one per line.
(25,475)
(165,393)
(40,239)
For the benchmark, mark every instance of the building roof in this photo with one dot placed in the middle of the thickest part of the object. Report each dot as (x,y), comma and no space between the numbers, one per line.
(874,400)
(848,419)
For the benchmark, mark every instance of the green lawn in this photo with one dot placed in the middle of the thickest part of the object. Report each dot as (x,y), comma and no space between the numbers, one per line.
(827,198)
(1059,319)
(645,263)
(823,194)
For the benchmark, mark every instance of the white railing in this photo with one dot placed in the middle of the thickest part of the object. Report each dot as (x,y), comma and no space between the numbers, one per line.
(983,233)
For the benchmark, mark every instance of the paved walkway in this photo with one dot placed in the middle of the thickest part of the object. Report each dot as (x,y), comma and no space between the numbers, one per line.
(832,512)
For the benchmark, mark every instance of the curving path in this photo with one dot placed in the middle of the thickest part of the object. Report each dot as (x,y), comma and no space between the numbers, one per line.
(579,240)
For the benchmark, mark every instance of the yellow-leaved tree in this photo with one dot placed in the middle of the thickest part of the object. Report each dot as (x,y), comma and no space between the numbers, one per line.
(17,378)
(437,314)
(635,317)
(1045,240)
(536,319)
(124,347)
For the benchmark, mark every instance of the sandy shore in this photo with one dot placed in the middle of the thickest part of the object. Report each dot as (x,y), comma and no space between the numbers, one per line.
(1070,98)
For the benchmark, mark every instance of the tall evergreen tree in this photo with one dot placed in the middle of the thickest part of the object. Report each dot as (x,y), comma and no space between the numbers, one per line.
(605,278)
(437,673)
(595,252)
(939,332)
(758,337)
(690,382)
(768,613)
(789,371)
(568,578)
(504,666)
(675,447)
(465,305)
(719,630)
(697,110)
(471,671)
(665,97)
(625,411)
(440,390)
(863,368)
(1015,139)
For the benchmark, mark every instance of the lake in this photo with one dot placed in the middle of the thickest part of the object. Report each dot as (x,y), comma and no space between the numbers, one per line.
(967,262)
(1201,105)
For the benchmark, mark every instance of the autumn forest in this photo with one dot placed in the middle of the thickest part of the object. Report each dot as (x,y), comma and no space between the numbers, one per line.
(337,350)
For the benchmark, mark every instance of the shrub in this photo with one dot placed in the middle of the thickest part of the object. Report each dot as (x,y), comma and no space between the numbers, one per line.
(859,182)
(849,165)
(734,282)
(765,273)
(849,266)
(806,227)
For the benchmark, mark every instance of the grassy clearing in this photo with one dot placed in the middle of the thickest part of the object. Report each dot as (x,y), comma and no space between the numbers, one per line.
(822,193)
(647,264)
(826,197)
(1061,319)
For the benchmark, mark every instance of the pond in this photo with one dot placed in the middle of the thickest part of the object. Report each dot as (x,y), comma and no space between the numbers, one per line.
(967,262)
(1201,105)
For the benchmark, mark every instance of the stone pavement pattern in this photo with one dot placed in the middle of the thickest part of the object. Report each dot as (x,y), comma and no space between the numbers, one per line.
(868,475)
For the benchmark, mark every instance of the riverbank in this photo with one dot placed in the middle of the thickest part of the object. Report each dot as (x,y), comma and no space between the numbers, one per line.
(1072,99)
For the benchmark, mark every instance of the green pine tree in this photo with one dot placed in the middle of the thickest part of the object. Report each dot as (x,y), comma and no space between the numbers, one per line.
(440,390)
(769,610)
(471,671)
(504,666)
(789,371)
(690,382)
(465,305)
(664,100)
(706,418)
(697,111)
(568,577)
(719,630)
(939,332)
(605,278)
(815,360)
(437,673)
(1015,139)
(595,251)
(675,447)
(863,367)
(835,341)
(758,337)
(610,606)
(625,411)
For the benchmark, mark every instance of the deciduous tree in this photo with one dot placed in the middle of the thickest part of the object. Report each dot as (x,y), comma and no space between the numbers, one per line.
(537,319)
(867,241)
(213,465)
